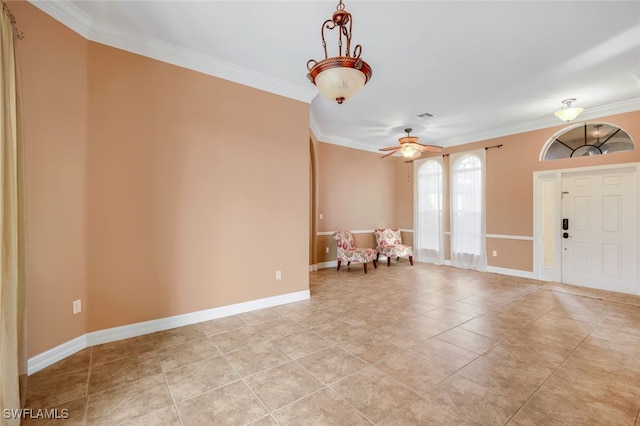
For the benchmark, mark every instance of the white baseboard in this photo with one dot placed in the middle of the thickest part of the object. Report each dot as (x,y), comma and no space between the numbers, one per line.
(502,271)
(512,272)
(60,352)
(329,264)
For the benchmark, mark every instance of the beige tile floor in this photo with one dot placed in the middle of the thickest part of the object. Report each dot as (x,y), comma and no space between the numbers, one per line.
(400,345)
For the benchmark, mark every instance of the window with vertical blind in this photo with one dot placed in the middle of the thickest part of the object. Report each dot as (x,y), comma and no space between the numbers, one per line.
(429,227)
(468,235)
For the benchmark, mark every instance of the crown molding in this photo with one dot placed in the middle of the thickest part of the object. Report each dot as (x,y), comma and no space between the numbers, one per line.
(551,121)
(335,140)
(69,15)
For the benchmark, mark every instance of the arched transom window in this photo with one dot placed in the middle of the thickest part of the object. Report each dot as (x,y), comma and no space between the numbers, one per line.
(587,139)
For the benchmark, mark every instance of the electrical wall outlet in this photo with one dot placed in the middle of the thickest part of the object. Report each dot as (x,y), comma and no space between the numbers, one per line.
(278,275)
(495,253)
(326,249)
(77,306)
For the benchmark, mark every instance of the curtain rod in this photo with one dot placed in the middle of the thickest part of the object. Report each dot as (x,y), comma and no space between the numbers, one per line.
(485,148)
(18,33)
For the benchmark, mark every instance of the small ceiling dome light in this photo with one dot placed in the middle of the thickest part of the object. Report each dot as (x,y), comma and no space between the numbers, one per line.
(568,113)
(339,78)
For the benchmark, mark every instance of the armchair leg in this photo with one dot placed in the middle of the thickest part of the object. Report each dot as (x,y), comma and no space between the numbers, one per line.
(365,268)
(388,260)
(378,256)
(411,260)
(375,264)
(339,265)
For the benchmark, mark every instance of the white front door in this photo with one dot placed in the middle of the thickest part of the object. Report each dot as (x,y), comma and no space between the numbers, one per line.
(599,246)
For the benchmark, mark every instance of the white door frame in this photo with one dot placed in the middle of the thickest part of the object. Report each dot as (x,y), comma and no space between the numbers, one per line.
(547,194)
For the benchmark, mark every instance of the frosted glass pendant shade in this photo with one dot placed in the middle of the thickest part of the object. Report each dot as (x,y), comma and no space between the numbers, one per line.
(340,78)
(568,113)
(408,151)
(340,84)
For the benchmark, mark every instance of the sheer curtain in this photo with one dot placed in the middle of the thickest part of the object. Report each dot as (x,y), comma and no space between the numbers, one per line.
(468,235)
(12,361)
(428,227)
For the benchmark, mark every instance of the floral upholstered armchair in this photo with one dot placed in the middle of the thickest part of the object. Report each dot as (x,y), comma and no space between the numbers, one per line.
(348,252)
(389,243)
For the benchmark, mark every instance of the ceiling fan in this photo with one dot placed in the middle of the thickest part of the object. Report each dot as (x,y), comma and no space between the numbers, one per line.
(409,147)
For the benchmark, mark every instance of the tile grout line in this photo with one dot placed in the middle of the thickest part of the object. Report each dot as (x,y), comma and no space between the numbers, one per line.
(326,386)
(242,378)
(500,341)
(173,399)
(86,404)
(550,375)
(594,296)
(419,394)
(361,309)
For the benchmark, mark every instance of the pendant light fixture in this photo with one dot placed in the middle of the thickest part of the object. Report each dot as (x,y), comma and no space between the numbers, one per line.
(339,78)
(568,113)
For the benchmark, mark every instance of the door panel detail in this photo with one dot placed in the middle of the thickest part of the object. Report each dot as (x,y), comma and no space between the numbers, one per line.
(600,250)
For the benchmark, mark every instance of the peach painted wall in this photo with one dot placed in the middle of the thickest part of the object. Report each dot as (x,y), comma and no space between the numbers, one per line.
(356,191)
(152,190)
(200,191)
(54,87)
(509,189)
(404,194)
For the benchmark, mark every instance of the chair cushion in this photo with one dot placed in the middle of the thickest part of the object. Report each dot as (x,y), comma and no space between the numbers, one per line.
(387,236)
(362,255)
(347,252)
(344,240)
(389,243)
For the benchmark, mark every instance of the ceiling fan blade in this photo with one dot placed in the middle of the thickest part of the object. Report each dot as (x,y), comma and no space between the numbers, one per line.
(389,148)
(429,148)
(390,153)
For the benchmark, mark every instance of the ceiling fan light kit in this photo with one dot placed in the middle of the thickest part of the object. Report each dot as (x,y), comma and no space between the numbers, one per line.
(339,78)
(568,113)
(410,148)
(408,151)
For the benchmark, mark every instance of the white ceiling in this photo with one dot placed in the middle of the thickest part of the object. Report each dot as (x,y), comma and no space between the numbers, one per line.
(484,69)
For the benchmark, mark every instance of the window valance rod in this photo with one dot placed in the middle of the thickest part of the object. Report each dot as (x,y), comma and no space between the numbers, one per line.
(485,148)
(18,33)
